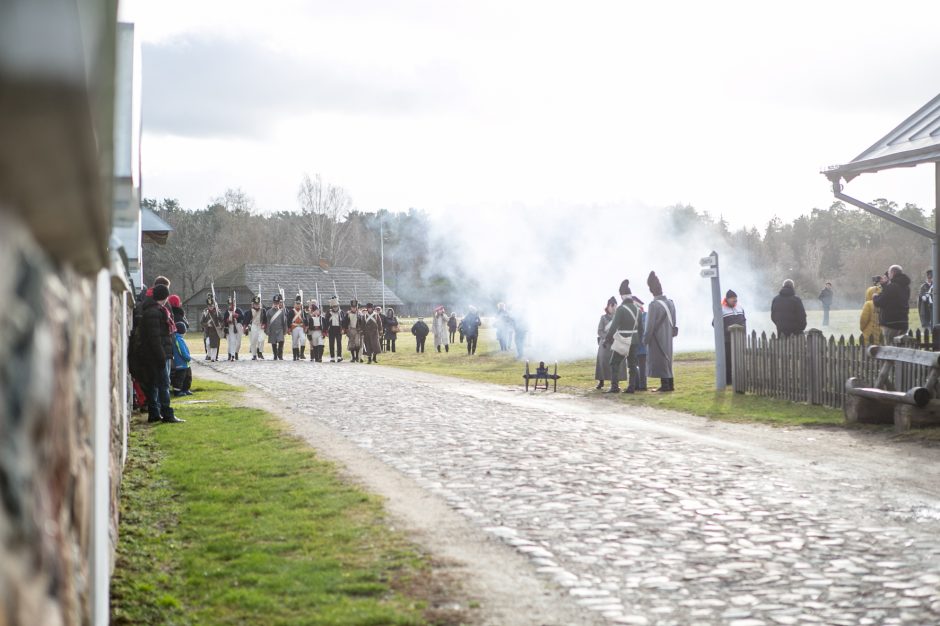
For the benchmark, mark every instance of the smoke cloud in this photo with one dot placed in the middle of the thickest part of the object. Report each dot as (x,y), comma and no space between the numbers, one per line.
(557,267)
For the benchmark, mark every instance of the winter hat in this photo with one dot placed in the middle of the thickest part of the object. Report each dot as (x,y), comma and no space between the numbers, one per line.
(181,328)
(161,292)
(730,294)
(625,287)
(611,301)
(174,301)
(653,283)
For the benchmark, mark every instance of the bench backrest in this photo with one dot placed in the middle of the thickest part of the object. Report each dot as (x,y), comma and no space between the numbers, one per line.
(905,355)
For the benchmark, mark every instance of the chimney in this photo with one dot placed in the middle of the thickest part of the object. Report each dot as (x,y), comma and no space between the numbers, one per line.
(324,265)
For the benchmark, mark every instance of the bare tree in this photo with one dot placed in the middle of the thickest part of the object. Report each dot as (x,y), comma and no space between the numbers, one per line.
(324,208)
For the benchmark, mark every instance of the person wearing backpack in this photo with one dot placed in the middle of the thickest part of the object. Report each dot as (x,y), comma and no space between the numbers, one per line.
(182,377)
(621,339)
(660,332)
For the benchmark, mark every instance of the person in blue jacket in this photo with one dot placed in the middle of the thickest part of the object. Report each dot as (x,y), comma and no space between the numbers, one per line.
(182,377)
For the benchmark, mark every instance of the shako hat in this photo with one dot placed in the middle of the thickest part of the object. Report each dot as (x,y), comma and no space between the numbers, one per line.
(354,303)
(256,300)
(277,298)
(210,300)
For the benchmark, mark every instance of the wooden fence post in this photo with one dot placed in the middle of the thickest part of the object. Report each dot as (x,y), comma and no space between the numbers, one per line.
(738,369)
(815,344)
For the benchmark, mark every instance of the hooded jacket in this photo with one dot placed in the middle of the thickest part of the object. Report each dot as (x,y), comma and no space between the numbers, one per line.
(893,303)
(787,313)
(869,323)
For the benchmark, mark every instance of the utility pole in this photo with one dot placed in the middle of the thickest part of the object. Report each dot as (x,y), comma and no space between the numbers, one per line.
(710,270)
(382,254)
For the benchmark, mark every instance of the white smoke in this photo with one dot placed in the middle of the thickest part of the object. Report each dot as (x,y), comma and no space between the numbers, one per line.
(557,268)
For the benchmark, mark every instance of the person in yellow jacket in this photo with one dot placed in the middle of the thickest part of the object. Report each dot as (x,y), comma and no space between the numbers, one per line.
(869,323)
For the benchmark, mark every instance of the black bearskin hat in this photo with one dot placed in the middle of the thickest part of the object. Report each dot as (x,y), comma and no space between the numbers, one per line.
(625,287)
(653,283)
(354,303)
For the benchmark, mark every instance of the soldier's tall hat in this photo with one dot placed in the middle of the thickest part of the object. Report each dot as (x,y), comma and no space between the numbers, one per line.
(354,303)
(210,300)
(334,301)
(299,299)
(256,300)
(277,298)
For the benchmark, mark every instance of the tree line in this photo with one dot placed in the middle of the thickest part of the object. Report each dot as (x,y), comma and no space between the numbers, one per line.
(843,245)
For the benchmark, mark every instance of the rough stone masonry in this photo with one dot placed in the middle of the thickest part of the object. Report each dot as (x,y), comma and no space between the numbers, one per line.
(641,527)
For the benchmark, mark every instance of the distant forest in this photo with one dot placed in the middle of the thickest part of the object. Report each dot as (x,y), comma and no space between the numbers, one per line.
(844,245)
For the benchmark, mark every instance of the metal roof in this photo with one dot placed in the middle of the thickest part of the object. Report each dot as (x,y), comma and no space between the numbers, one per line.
(350,283)
(916,140)
(153,227)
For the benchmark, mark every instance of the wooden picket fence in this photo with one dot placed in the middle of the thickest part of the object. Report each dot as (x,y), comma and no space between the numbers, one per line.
(811,367)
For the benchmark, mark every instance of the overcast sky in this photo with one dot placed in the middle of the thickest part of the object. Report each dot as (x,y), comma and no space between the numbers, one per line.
(445,106)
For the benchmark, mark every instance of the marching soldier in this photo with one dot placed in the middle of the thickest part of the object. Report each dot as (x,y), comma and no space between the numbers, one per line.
(212,325)
(233,329)
(315,329)
(256,320)
(277,327)
(298,328)
(335,322)
(372,332)
(353,325)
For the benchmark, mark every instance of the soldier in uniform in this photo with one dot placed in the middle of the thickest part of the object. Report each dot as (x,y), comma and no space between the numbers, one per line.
(353,325)
(298,328)
(233,329)
(212,324)
(277,327)
(256,319)
(372,332)
(335,322)
(315,332)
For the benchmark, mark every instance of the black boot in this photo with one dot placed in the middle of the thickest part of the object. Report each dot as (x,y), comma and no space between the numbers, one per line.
(375,358)
(236,356)
(634,377)
(446,348)
(672,384)
(438,349)
(295,352)
(600,384)
(663,385)
(302,350)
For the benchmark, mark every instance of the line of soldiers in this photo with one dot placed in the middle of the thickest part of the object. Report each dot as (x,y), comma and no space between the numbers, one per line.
(304,324)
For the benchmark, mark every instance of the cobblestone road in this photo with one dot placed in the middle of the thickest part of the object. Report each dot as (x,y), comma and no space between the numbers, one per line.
(641,527)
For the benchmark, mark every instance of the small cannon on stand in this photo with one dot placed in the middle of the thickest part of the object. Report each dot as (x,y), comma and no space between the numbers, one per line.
(541,376)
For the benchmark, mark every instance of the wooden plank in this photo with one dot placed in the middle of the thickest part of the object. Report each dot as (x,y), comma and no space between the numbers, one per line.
(908,355)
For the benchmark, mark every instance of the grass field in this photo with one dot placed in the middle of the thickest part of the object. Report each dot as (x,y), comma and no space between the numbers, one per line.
(228,520)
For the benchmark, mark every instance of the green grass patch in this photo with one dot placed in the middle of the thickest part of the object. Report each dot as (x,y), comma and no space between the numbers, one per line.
(695,383)
(227,519)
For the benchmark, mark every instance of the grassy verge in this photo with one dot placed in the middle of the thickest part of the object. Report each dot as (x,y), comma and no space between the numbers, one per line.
(227,519)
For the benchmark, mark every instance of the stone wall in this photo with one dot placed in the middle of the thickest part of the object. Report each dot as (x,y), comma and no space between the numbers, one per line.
(46,427)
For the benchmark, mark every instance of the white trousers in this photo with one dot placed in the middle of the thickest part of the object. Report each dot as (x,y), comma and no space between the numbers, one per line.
(234,339)
(316,338)
(255,340)
(298,339)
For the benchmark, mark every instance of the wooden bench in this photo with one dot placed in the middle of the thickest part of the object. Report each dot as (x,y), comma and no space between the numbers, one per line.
(541,374)
(883,404)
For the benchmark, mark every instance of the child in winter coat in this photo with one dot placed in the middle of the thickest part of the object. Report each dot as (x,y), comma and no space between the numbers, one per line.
(869,322)
(420,330)
(182,377)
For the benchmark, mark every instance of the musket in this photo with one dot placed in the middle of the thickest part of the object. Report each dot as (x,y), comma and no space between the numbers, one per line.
(214,299)
(317,285)
(303,304)
(335,292)
(259,294)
